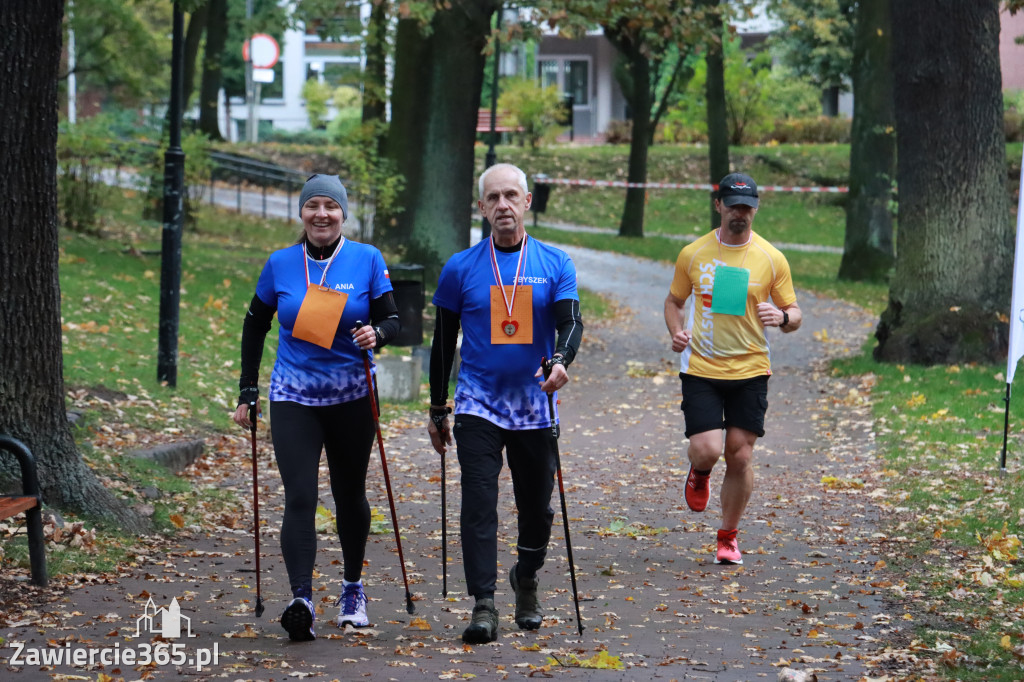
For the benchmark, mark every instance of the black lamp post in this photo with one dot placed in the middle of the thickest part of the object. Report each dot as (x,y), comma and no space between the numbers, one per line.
(491,157)
(174,217)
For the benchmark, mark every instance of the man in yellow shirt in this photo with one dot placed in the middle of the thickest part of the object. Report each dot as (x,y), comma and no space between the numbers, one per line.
(730,274)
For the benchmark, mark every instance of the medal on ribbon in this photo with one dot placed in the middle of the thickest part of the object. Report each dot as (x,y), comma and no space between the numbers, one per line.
(511,306)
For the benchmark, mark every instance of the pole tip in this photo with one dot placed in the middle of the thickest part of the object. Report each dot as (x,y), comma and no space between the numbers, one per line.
(410,608)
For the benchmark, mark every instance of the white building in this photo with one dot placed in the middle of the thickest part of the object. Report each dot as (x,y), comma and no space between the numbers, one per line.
(303,55)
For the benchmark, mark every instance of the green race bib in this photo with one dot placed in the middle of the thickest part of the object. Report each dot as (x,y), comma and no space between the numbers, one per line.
(729,295)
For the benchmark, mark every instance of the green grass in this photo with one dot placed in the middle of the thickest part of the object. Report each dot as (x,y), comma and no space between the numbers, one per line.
(110,303)
(940,433)
(783,218)
(811,271)
(786,217)
(598,307)
(106,552)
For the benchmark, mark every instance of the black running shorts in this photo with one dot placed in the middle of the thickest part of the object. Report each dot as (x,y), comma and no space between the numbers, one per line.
(712,404)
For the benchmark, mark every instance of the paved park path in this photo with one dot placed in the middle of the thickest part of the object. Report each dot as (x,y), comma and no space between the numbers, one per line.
(808,597)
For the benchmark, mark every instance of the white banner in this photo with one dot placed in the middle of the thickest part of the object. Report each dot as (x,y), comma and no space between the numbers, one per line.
(1017,300)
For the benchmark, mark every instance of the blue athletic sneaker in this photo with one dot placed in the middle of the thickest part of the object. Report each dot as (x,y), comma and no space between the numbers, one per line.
(353,606)
(297,620)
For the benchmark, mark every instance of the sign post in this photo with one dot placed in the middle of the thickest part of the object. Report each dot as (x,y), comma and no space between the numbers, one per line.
(260,54)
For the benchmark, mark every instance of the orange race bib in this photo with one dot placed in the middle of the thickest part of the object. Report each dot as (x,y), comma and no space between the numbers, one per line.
(517,327)
(319,315)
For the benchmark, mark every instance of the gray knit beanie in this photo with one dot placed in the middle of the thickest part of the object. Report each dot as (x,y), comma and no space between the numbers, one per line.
(325,186)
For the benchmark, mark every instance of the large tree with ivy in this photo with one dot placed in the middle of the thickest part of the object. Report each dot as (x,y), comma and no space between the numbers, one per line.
(868,252)
(951,286)
(438,73)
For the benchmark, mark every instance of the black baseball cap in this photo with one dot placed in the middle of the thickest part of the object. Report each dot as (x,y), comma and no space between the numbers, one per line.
(737,188)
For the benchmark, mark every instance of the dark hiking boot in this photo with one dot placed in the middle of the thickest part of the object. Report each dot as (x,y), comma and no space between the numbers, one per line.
(528,616)
(484,626)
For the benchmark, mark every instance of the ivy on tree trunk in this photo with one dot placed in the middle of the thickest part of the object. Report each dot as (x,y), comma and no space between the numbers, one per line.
(435,97)
(951,288)
(868,251)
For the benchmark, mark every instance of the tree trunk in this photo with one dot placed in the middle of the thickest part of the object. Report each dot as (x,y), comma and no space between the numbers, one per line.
(868,251)
(830,101)
(209,88)
(375,76)
(193,39)
(717,113)
(433,128)
(31,365)
(632,223)
(955,240)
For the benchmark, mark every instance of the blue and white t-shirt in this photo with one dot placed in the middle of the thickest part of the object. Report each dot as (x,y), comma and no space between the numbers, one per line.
(304,372)
(496,381)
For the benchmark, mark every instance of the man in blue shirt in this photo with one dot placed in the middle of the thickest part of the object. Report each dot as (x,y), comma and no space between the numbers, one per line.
(516,301)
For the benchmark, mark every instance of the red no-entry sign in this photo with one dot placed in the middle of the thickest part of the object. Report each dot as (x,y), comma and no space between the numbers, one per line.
(262,49)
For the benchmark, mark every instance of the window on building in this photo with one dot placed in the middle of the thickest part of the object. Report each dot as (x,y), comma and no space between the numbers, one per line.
(571,76)
(548,72)
(577,81)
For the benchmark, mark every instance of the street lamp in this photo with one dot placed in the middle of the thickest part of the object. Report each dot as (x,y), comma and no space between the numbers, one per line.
(490,158)
(174,217)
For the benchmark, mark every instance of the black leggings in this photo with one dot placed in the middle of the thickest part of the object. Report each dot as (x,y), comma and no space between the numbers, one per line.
(346,433)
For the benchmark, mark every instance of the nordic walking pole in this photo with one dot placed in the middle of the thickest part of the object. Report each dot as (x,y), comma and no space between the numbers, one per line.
(444,533)
(255,507)
(443,433)
(561,493)
(409,608)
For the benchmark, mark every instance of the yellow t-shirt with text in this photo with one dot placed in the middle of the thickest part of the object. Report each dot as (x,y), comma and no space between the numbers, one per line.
(729,346)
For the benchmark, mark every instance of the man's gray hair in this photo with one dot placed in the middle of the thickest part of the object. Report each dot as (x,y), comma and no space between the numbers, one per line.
(520,177)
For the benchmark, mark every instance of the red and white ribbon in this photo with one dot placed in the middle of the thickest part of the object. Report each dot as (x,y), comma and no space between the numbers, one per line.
(680,185)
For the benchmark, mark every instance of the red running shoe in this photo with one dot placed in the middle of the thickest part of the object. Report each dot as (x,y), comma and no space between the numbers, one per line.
(728,549)
(697,491)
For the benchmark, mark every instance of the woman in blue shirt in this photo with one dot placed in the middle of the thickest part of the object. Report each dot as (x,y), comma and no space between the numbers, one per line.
(319,400)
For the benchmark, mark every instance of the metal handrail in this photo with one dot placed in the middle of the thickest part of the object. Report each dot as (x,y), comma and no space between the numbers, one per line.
(243,169)
(258,172)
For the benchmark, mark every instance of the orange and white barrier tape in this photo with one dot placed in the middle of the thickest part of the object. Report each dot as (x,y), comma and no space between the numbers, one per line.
(679,185)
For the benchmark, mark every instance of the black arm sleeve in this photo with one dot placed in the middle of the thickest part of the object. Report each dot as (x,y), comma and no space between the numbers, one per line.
(570,328)
(384,318)
(254,333)
(442,354)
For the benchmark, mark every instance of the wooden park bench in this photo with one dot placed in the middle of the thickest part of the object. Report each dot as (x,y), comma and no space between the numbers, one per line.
(29,502)
(483,123)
